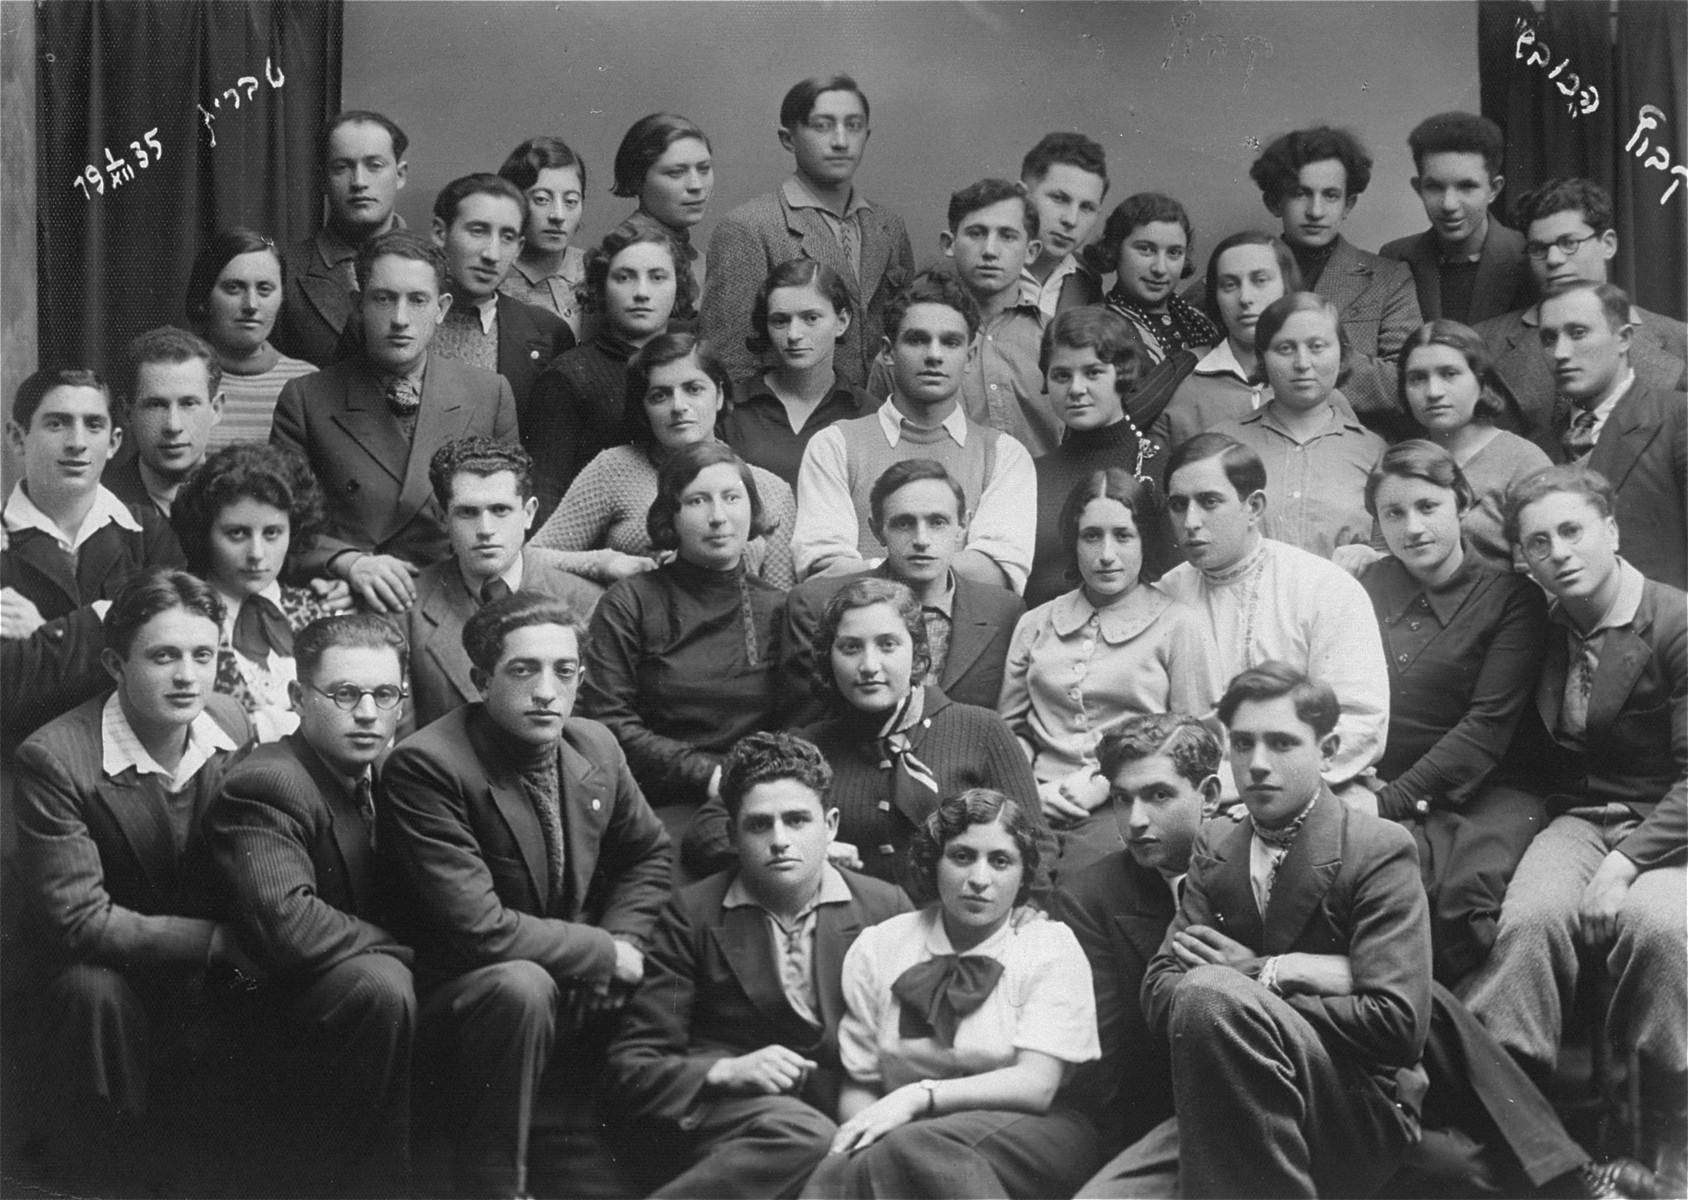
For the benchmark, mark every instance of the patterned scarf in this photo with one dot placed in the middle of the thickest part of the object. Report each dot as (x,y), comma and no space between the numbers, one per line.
(1278,842)
(914,788)
(936,994)
(1180,327)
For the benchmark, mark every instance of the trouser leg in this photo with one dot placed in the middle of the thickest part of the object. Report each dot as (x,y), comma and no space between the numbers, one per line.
(754,1146)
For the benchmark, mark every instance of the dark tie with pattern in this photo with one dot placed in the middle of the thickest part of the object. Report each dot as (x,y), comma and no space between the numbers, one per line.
(403,396)
(260,627)
(364,793)
(494,589)
(1578,439)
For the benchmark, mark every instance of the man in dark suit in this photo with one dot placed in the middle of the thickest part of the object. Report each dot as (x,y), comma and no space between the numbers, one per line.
(1310,180)
(70,545)
(1467,265)
(1606,743)
(116,892)
(370,425)
(292,832)
(816,213)
(363,171)
(919,514)
(1633,433)
(1294,984)
(173,396)
(729,1049)
(485,489)
(533,869)
(1570,238)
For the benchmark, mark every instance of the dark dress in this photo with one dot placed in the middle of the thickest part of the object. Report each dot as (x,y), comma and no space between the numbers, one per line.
(757,427)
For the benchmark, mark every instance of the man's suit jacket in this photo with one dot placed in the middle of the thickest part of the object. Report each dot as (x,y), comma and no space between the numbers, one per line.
(712,990)
(762,233)
(1379,306)
(316,301)
(1349,885)
(1119,912)
(1503,280)
(122,478)
(104,882)
(58,666)
(982,626)
(470,854)
(1636,748)
(1643,451)
(295,863)
(1532,406)
(375,481)
(439,666)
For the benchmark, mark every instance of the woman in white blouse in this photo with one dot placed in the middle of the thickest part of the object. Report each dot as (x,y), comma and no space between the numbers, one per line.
(1113,647)
(962,1026)
(239,519)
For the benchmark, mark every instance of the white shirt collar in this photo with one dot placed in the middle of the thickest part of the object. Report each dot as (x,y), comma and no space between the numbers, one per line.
(511,575)
(891,421)
(1618,392)
(1222,360)
(1045,294)
(21,514)
(232,603)
(121,747)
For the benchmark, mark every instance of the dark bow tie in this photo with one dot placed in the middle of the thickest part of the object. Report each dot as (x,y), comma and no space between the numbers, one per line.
(260,627)
(936,994)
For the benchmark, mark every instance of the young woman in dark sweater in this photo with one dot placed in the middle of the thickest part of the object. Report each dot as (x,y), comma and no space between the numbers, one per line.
(896,748)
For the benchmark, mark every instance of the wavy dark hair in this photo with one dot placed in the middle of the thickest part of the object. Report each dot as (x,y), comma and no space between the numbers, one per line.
(661,350)
(275,475)
(1423,460)
(645,141)
(795,273)
(152,591)
(1145,208)
(865,591)
(1468,342)
(678,470)
(958,813)
(1148,509)
(599,258)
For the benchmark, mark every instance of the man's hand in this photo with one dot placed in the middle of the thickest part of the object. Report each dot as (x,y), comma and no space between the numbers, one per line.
(616,566)
(770,1071)
(1202,945)
(1597,913)
(844,854)
(1085,787)
(629,963)
(1355,558)
(1058,808)
(385,583)
(880,1118)
(19,618)
(335,594)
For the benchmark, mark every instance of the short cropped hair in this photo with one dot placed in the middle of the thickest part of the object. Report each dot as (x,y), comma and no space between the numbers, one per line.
(1315,703)
(1064,149)
(1614,301)
(661,350)
(1288,269)
(1099,328)
(1145,208)
(481,456)
(219,252)
(357,631)
(795,273)
(1141,498)
(274,475)
(482,183)
(930,287)
(361,116)
(1241,464)
(864,591)
(770,757)
(987,192)
(682,466)
(1565,195)
(1470,344)
(1194,751)
(33,390)
(167,344)
(538,154)
(485,631)
(601,256)
(1423,460)
(1277,314)
(152,591)
(799,102)
(954,816)
(1458,133)
(1277,172)
(401,243)
(1572,478)
(898,476)
(645,142)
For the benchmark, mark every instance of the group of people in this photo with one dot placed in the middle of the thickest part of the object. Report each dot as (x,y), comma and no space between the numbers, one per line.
(981,731)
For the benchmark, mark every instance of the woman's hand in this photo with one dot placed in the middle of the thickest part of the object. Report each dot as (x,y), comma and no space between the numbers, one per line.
(1085,787)
(843,854)
(880,1118)
(615,565)
(1058,808)
(1355,558)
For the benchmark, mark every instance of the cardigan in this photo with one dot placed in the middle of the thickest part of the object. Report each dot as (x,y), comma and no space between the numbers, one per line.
(1506,459)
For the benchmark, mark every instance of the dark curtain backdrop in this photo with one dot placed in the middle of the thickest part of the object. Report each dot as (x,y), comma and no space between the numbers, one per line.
(109,71)
(1642,64)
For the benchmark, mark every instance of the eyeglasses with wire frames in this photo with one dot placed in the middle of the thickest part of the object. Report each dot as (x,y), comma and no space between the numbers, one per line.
(348,696)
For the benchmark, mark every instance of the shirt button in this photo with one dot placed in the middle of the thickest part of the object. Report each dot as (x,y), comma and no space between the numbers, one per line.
(887,849)
(884,806)
(1295,495)
(1401,658)
(1414,624)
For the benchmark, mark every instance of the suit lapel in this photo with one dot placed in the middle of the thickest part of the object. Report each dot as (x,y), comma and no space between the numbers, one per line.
(585,812)
(364,417)
(34,553)
(1550,687)
(836,927)
(969,635)
(1628,431)
(345,824)
(327,294)
(99,557)
(1346,276)
(1491,291)
(142,826)
(810,230)
(523,823)
(1231,893)
(1623,656)
(445,609)
(444,415)
(745,944)
(1305,875)
(1427,274)
(521,349)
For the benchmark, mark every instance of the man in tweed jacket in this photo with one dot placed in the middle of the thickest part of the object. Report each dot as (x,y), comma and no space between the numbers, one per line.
(818,214)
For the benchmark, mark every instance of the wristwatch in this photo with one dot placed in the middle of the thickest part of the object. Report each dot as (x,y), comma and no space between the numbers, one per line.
(931,1089)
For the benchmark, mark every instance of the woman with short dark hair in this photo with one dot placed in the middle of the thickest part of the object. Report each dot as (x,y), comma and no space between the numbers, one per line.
(667,164)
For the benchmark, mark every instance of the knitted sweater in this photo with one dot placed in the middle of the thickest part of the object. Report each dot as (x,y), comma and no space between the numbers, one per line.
(249,402)
(574,413)
(607,506)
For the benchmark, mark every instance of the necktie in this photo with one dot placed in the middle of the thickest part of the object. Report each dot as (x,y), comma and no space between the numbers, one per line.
(937,993)
(403,396)
(494,589)
(850,241)
(365,796)
(1578,439)
(542,785)
(260,627)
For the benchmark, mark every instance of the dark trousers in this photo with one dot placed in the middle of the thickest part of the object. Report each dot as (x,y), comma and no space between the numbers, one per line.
(751,1146)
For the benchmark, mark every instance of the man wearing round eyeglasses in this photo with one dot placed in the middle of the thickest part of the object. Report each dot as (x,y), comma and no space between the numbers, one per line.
(1606,745)
(1570,238)
(292,832)
(534,870)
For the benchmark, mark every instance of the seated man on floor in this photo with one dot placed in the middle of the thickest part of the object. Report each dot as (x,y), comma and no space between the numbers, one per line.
(729,1049)
(1606,742)
(533,869)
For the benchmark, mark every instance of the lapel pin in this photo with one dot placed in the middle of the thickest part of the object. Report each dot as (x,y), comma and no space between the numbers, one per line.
(596,804)
(533,354)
